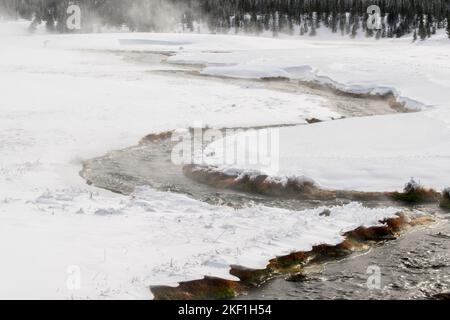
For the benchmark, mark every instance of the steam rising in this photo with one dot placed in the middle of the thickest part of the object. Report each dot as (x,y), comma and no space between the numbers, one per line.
(137,15)
(156,15)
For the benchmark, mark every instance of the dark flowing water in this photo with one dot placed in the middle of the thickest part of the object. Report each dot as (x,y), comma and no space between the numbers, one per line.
(415,266)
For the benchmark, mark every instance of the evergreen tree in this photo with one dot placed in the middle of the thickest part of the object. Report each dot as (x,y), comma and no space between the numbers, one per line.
(250,16)
(348,25)
(378,34)
(422,28)
(342,23)
(428,26)
(355,27)
(313,26)
(334,23)
(448,25)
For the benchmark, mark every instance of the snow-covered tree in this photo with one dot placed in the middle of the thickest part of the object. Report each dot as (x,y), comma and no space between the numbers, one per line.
(448,25)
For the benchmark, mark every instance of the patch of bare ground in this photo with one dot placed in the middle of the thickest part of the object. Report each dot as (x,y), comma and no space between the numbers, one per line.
(156,137)
(445,201)
(306,189)
(289,188)
(389,97)
(442,296)
(415,193)
(292,265)
(313,120)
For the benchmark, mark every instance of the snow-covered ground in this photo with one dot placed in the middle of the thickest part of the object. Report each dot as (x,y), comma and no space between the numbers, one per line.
(379,153)
(64,99)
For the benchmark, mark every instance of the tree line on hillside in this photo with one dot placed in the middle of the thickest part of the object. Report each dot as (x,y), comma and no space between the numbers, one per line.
(302,17)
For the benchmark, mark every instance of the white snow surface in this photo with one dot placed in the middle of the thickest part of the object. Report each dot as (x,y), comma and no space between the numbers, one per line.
(68,98)
(124,245)
(368,154)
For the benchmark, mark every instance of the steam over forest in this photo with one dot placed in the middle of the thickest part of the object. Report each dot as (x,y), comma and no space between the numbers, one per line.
(422,18)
